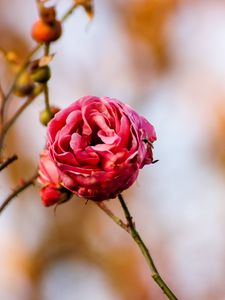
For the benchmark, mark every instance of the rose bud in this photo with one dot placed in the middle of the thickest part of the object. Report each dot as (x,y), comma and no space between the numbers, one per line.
(51,195)
(52,191)
(45,116)
(99,145)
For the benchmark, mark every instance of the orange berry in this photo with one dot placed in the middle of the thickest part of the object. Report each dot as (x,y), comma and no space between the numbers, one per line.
(45,33)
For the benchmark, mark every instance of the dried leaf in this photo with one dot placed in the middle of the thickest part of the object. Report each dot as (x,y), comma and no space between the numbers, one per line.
(45,60)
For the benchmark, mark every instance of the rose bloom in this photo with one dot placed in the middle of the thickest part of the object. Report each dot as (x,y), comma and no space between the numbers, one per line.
(52,191)
(98,146)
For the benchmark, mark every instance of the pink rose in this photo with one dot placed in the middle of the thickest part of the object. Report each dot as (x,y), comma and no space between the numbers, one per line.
(52,191)
(99,145)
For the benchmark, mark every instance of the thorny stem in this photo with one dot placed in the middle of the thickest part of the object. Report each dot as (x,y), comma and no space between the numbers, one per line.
(18,190)
(136,237)
(116,219)
(8,161)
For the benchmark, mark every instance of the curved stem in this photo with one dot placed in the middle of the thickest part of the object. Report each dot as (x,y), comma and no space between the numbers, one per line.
(136,237)
(17,190)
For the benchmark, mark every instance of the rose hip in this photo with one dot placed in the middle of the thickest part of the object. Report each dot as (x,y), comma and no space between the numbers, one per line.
(43,32)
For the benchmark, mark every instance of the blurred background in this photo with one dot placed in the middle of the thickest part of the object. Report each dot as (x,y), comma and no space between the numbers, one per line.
(166,58)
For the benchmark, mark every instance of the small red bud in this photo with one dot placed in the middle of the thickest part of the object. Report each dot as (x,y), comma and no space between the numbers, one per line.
(51,195)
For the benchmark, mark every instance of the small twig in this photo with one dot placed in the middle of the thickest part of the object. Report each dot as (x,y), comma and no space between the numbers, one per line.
(136,237)
(17,191)
(8,162)
(69,12)
(126,212)
(47,48)
(46,94)
(19,112)
(115,219)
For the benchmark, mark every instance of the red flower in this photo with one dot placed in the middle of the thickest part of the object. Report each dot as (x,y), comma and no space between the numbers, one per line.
(98,146)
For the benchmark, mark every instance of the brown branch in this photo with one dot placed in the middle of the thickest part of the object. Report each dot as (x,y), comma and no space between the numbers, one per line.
(8,161)
(17,190)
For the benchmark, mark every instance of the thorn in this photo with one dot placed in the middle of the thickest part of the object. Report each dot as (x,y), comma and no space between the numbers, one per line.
(55,208)
(148,142)
(155,161)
